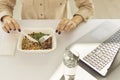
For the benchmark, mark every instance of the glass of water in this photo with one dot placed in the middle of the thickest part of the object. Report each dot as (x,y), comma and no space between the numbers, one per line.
(70,62)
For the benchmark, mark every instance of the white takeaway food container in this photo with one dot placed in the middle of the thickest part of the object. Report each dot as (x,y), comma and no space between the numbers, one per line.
(43,30)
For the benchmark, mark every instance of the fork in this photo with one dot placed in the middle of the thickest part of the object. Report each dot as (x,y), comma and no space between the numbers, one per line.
(44,38)
(29,37)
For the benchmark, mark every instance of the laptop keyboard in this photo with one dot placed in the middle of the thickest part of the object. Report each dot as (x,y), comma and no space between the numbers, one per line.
(104,53)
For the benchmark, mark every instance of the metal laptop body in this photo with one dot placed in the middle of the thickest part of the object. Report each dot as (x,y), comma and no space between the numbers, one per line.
(91,41)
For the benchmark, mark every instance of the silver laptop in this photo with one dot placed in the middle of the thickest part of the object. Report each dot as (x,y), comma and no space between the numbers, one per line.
(98,48)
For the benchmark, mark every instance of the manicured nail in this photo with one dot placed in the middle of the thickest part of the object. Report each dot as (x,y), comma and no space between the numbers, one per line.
(19,30)
(59,32)
(56,31)
(8,32)
(10,29)
(14,29)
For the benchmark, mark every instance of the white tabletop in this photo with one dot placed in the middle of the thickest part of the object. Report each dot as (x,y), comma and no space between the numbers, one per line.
(40,66)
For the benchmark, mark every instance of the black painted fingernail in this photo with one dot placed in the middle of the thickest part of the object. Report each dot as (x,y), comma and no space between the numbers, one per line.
(8,32)
(19,30)
(56,31)
(10,29)
(59,32)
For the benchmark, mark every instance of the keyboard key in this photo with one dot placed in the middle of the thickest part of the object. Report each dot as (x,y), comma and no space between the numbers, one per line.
(104,53)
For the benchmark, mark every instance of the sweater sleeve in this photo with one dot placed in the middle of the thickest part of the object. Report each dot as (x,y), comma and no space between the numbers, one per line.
(86,8)
(6,7)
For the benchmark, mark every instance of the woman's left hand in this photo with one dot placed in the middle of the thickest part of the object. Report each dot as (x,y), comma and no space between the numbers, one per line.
(68,25)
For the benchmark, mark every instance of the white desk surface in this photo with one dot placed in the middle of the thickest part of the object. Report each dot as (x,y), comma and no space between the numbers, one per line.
(40,66)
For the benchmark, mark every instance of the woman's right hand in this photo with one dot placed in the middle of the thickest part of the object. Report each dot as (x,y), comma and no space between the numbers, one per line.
(10,24)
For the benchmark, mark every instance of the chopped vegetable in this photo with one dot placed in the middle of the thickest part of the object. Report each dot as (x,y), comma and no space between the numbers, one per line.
(29,45)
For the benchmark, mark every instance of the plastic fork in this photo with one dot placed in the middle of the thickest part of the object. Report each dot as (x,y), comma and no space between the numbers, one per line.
(44,38)
(41,40)
(29,37)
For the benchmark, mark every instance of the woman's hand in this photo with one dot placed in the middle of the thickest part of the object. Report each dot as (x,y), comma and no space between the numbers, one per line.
(10,24)
(67,24)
